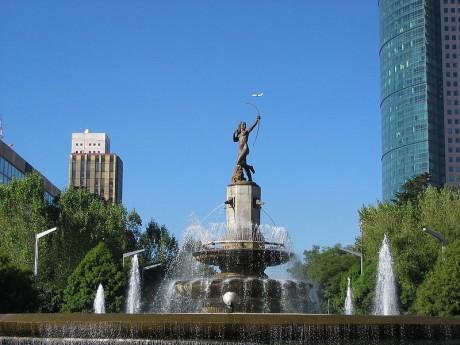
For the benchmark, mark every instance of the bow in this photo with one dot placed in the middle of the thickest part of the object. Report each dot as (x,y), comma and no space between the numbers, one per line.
(258,124)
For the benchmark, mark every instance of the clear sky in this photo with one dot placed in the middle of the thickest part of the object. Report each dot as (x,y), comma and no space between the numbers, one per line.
(169,81)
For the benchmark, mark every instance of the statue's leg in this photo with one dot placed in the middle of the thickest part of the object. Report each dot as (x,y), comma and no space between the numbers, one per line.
(248,172)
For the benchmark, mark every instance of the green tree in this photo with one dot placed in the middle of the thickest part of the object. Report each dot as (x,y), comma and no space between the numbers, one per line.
(23,213)
(412,189)
(17,293)
(161,246)
(83,221)
(97,267)
(439,295)
(329,268)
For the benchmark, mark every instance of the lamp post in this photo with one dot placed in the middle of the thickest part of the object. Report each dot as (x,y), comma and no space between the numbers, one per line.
(146,268)
(37,237)
(440,237)
(128,254)
(355,254)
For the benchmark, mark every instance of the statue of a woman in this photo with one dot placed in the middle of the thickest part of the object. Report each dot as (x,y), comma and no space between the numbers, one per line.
(241,135)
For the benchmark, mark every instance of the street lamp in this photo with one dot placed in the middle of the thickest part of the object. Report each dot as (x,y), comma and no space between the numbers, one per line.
(37,237)
(146,268)
(440,237)
(128,254)
(355,254)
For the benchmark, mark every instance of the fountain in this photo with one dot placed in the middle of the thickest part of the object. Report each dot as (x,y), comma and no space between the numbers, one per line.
(241,305)
(134,290)
(99,302)
(243,254)
(348,308)
(386,300)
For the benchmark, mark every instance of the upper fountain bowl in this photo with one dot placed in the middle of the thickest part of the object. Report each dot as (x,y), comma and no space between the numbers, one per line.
(248,258)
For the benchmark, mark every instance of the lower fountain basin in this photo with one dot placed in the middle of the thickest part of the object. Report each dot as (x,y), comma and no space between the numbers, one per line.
(255,295)
(150,329)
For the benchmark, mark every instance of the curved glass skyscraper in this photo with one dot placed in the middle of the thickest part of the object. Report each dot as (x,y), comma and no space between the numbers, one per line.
(411,92)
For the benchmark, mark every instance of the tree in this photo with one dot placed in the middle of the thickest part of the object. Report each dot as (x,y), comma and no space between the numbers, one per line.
(329,268)
(23,213)
(439,295)
(97,267)
(83,221)
(412,189)
(161,246)
(17,293)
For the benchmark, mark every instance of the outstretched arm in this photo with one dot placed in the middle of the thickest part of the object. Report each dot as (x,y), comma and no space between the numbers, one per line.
(255,124)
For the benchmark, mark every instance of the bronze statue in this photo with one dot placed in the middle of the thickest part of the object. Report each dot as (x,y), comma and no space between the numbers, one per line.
(241,135)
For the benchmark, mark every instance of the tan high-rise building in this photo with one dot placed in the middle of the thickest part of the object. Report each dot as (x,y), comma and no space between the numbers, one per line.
(93,167)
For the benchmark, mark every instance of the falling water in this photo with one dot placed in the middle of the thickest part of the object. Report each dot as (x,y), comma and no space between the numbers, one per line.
(99,303)
(386,301)
(134,291)
(349,299)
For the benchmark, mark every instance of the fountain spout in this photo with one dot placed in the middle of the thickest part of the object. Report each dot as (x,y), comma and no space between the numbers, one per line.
(349,299)
(386,300)
(99,301)
(134,290)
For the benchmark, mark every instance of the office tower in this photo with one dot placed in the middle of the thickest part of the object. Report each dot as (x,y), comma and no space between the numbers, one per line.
(413,107)
(94,168)
(450,37)
(12,166)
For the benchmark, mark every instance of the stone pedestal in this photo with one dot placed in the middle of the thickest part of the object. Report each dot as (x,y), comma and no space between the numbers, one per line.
(243,215)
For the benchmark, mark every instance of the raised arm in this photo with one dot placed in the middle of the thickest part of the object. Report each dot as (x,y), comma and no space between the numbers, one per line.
(255,124)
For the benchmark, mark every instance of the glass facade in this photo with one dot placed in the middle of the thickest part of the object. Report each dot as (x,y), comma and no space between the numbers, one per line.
(8,171)
(13,166)
(411,92)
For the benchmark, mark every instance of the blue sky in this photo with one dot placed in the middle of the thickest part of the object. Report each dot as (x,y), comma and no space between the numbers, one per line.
(169,81)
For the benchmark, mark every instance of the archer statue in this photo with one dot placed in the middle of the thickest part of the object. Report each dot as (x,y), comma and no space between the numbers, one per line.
(241,135)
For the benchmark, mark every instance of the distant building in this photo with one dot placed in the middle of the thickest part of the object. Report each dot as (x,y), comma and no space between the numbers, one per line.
(93,167)
(12,166)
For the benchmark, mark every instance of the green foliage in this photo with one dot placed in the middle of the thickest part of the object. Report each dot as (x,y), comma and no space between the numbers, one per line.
(84,221)
(413,189)
(439,295)
(426,285)
(97,267)
(329,268)
(414,252)
(17,294)
(161,246)
(23,213)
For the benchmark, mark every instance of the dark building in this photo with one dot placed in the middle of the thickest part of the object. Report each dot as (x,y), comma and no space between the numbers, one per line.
(14,166)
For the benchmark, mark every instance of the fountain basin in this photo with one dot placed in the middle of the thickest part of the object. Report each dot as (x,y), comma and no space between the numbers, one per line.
(226,329)
(255,295)
(247,261)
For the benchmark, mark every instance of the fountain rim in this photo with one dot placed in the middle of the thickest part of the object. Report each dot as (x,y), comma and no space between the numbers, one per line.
(213,244)
(246,318)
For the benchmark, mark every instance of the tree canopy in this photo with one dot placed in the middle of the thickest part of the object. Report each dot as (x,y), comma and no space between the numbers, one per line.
(97,267)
